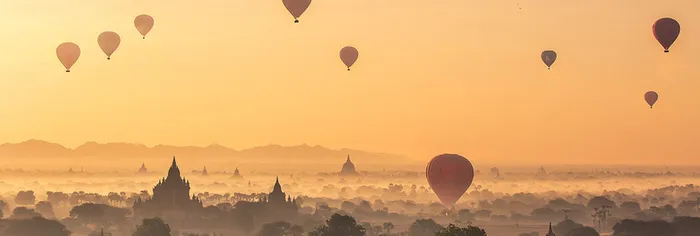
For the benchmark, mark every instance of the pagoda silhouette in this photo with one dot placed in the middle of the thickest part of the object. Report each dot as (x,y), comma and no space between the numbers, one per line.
(171,193)
(143,169)
(348,168)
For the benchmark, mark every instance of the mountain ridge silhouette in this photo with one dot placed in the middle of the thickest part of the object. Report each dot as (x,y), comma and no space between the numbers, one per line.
(40,149)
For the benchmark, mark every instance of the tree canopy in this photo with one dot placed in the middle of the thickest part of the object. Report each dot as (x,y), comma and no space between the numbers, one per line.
(37,226)
(453,230)
(424,227)
(339,225)
(152,227)
(280,228)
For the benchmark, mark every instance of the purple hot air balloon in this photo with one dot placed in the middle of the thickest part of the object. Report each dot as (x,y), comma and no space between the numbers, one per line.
(651,98)
(666,31)
(548,57)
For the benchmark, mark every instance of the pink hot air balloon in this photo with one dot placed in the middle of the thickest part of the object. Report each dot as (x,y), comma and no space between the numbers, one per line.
(449,175)
(296,7)
(349,56)
(651,98)
(666,31)
(144,24)
(68,53)
(109,42)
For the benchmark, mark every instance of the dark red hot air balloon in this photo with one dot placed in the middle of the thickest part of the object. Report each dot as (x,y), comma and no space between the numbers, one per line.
(449,175)
(651,98)
(666,31)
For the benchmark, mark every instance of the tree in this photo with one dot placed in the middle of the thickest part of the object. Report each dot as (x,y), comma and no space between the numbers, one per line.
(24,213)
(152,227)
(452,230)
(280,228)
(667,211)
(483,214)
(600,201)
(686,226)
(388,226)
(4,207)
(45,209)
(339,225)
(465,215)
(583,231)
(643,228)
(37,226)
(631,206)
(24,198)
(563,228)
(370,230)
(424,227)
(100,214)
(544,214)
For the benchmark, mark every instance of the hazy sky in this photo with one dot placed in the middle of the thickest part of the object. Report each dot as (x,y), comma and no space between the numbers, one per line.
(432,77)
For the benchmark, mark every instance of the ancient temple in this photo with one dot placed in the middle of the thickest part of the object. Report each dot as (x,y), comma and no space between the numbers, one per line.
(276,196)
(277,201)
(348,168)
(550,233)
(171,193)
(236,173)
(143,168)
(204,171)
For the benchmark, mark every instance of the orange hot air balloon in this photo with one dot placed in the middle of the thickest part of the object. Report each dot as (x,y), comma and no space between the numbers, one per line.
(349,56)
(109,42)
(144,24)
(296,7)
(449,175)
(548,57)
(68,53)
(666,31)
(651,98)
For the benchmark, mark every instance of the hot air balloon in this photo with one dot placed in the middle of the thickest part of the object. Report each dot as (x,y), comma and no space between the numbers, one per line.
(548,57)
(666,31)
(109,42)
(144,24)
(349,56)
(296,7)
(651,98)
(68,53)
(449,175)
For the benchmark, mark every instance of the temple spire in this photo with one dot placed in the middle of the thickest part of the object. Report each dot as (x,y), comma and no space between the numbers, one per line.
(348,158)
(550,233)
(277,187)
(174,163)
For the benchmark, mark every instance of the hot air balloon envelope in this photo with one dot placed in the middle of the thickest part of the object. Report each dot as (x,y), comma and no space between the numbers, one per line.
(144,24)
(666,31)
(296,7)
(651,98)
(109,42)
(349,56)
(68,53)
(548,57)
(449,175)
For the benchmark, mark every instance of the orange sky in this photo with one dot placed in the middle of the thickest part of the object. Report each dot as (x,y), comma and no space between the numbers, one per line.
(432,77)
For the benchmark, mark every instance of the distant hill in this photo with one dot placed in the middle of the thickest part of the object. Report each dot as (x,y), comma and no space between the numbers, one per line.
(38,149)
